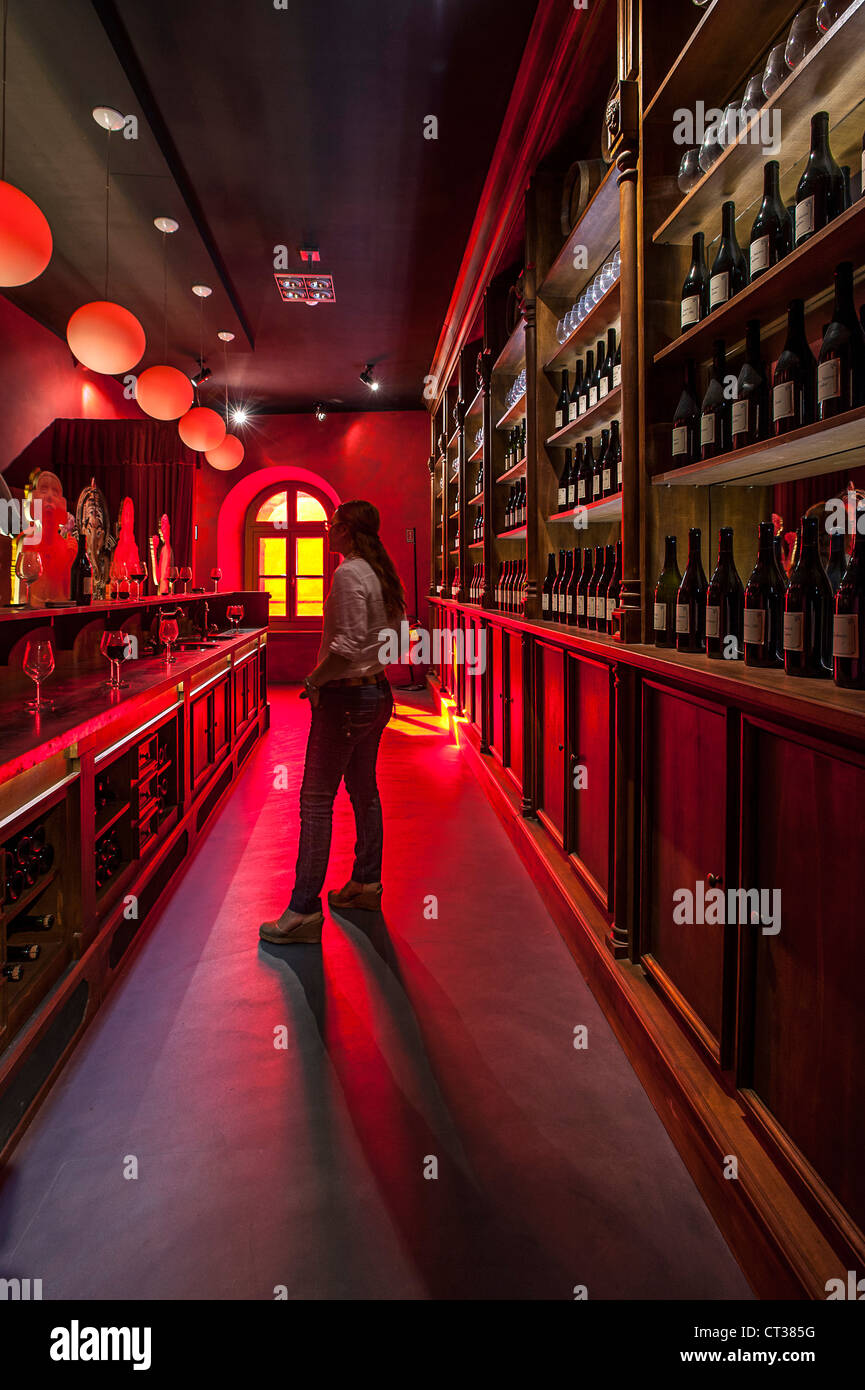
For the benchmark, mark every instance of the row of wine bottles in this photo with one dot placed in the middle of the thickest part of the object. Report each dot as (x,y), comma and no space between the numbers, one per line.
(812,625)
(517,506)
(107,857)
(29,857)
(802,390)
(17,957)
(584,589)
(476,583)
(594,378)
(823,192)
(586,476)
(477,531)
(515,447)
(510,590)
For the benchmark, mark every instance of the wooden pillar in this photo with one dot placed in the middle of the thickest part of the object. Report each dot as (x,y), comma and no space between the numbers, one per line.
(463,557)
(631,598)
(626,860)
(431,465)
(485,372)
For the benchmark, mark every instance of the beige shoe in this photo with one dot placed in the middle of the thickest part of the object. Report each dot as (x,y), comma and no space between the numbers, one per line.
(292,926)
(351,895)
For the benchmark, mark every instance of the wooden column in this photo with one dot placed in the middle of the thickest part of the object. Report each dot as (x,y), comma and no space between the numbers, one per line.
(431,465)
(631,600)
(533,436)
(485,370)
(625,895)
(463,557)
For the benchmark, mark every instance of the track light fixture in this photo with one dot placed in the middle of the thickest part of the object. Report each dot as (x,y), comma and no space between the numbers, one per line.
(367,378)
(320,412)
(203,374)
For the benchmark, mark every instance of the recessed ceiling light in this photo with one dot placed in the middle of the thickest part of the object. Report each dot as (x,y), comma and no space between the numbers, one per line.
(203,291)
(306,289)
(225,337)
(165,224)
(108,118)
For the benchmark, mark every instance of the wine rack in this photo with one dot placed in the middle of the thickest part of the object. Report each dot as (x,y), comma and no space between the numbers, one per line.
(135,795)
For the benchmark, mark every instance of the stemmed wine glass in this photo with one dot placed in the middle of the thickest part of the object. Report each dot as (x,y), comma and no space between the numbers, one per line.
(173,576)
(38,664)
(803,36)
(776,71)
(168,633)
(113,645)
(830,12)
(138,575)
(28,567)
(216,575)
(234,613)
(186,576)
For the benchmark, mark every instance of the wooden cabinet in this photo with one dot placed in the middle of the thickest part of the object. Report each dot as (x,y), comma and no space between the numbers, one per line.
(210,723)
(514,707)
(245,691)
(496,656)
(550,698)
(590,770)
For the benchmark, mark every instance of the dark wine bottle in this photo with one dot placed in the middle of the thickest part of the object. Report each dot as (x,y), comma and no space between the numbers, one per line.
(598,467)
(808,609)
(771,233)
(573,475)
(603,588)
(764,605)
(691,599)
(592,592)
(617,366)
(562,402)
(606,377)
(750,413)
(848,637)
(666,590)
(557,585)
(27,924)
(575,569)
(837,564)
(583,587)
(729,272)
(30,951)
(564,587)
(715,410)
(686,438)
(614,588)
(820,191)
(794,383)
(595,383)
(12,971)
(695,290)
(563,482)
(587,381)
(841,364)
(724,604)
(609,463)
(574,397)
(81,577)
(584,476)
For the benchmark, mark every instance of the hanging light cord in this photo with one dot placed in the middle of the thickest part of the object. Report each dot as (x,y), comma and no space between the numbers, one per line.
(165,296)
(107,203)
(225,355)
(3,101)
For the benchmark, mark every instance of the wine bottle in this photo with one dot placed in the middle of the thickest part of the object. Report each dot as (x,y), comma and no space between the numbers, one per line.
(725,603)
(564,587)
(614,588)
(24,952)
(691,599)
(685,421)
(848,637)
(27,924)
(841,364)
(574,397)
(771,233)
(695,290)
(603,588)
(557,584)
(81,576)
(563,481)
(666,589)
(14,886)
(820,191)
(583,588)
(794,383)
(592,591)
(605,385)
(837,565)
(715,410)
(562,402)
(573,474)
(600,354)
(808,609)
(12,972)
(584,476)
(763,626)
(750,413)
(616,440)
(587,381)
(589,466)
(617,366)
(598,466)
(609,461)
(573,576)
(729,272)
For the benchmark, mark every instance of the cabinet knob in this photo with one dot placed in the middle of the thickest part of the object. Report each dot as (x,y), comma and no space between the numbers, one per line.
(561,748)
(714,880)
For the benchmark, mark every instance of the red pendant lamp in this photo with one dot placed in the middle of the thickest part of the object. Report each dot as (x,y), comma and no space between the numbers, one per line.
(26,243)
(103,335)
(201,429)
(230,452)
(164,393)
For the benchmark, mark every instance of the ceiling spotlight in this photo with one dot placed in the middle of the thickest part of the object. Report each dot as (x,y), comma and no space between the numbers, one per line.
(108,118)
(366,377)
(225,337)
(203,374)
(320,412)
(165,224)
(239,416)
(202,291)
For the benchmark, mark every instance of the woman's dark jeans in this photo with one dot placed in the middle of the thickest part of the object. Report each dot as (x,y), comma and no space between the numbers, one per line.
(347,725)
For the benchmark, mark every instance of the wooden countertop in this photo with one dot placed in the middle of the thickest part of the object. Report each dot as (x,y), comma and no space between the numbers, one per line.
(84,704)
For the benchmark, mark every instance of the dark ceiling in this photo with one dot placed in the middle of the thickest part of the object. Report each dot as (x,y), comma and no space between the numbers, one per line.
(258,127)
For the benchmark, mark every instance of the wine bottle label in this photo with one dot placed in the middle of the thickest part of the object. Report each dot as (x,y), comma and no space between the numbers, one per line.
(713,620)
(545,603)
(584,403)
(794,632)
(619,473)
(563,496)
(740,417)
(719,289)
(558,419)
(804,218)
(605,386)
(680,440)
(87,586)
(572,495)
(617,375)
(555,603)
(759,254)
(570,605)
(593,396)
(611,604)
(581,490)
(683,617)
(606,480)
(829,379)
(845,635)
(572,411)
(660,620)
(690,310)
(596,486)
(590,607)
(581,606)
(783,400)
(754,626)
(707,428)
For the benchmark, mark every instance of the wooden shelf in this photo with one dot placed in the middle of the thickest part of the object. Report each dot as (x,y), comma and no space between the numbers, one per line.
(454,516)
(476,545)
(477,500)
(454,438)
(605,509)
(804,274)
(831,78)
(598,231)
(476,407)
(23,901)
(517,534)
(601,316)
(514,412)
(825,447)
(516,470)
(103,829)
(594,420)
(476,454)
(512,358)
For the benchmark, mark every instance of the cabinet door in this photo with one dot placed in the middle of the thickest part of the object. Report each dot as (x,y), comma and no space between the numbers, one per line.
(221,715)
(496,656)
(201,748)
(591,771)
(684,848)
(514,706)
(551,700)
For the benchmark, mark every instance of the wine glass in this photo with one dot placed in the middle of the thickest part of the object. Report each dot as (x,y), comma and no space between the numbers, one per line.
(173,576)
(830,12)
(113,646)
(216,575)
(711,147)
(28,567)
(186,577)
(168,633)
(804,35)
(234,613)
(608,276)
(776,71)
(123,582)
(754,97)
(689,170)
(38,664)
(138,575)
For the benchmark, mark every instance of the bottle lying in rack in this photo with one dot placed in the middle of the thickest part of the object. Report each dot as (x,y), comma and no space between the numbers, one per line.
(30,951)
(12,971)
(107,858)
(28,858)
(27,923)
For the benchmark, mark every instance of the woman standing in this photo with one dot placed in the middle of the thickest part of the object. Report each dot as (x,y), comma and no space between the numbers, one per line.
(351,704)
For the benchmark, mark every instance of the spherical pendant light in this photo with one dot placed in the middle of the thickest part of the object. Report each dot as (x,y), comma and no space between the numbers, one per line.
(227,456)
(105,337)
(25,238)
(164,393)
(201,429)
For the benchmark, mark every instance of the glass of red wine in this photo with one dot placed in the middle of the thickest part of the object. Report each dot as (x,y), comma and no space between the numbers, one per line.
(138,576)
(186,576)
(234,613)
(216,575)
(113,646)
